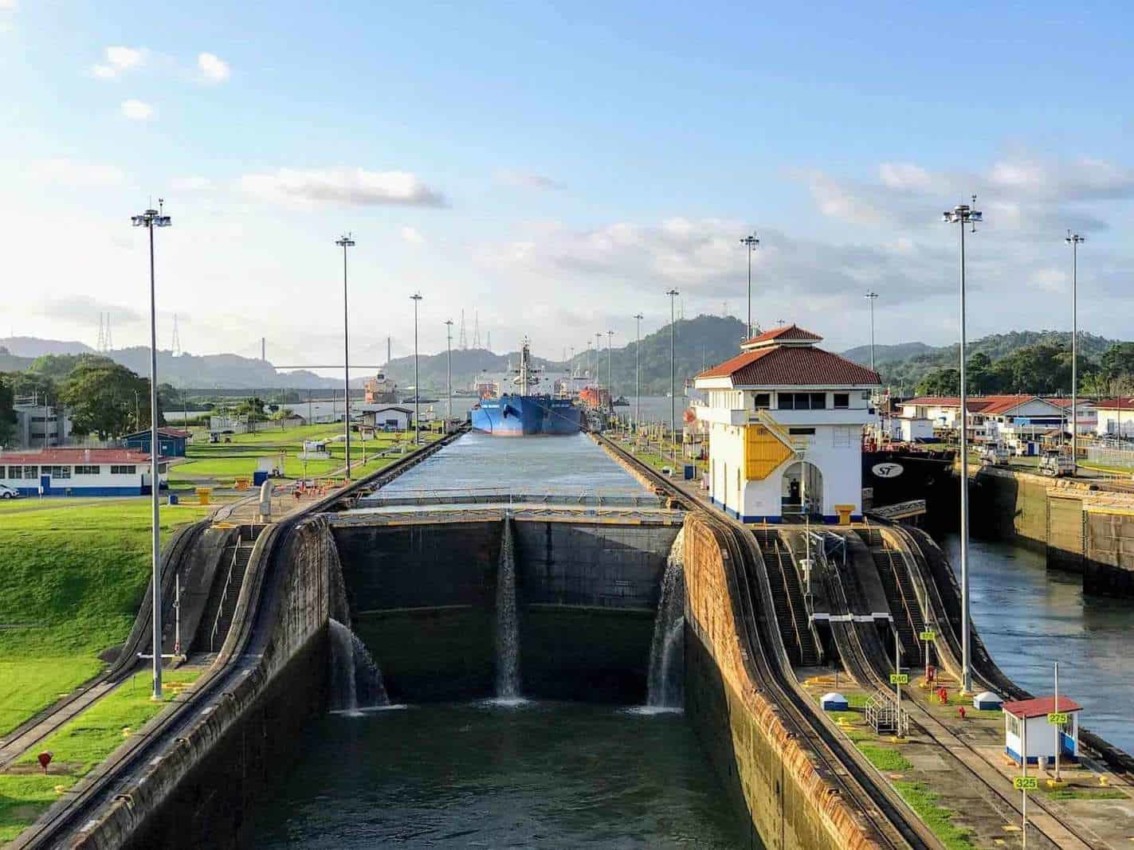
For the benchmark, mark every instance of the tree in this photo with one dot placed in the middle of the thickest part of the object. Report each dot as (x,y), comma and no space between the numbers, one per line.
(1118,361)
(940,382)
(7,413)
(253,408)
(106,399)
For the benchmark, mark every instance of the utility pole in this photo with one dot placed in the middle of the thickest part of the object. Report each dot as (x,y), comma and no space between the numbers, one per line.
(964,215)
(609,367)
(1073,239)
(638,371)
(673,293)
(750,242)
(872,296)
(150,220)
(416,297)
(346,242)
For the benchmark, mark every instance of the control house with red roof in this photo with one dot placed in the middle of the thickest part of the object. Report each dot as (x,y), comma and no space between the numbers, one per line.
(1033,718)
(785,422)
(79,472)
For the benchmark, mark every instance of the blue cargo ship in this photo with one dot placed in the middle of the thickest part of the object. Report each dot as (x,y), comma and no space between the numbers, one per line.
(526,413)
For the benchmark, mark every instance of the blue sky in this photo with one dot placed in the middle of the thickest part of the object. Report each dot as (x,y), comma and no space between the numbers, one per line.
(558,167)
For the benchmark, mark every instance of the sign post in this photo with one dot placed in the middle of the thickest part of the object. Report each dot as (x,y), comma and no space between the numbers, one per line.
(1058,720)
(929,636)
(1024,779)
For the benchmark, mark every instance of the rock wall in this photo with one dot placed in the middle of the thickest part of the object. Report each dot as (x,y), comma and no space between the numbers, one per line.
(763,767)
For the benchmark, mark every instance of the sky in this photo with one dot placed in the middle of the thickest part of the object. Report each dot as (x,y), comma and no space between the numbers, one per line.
(552,169)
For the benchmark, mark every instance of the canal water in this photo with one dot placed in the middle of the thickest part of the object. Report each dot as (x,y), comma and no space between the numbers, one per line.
(1030,617)
(478,775)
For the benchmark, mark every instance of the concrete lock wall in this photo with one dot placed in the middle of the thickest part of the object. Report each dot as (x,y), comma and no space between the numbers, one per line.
(764,769)
(423,599)
(196,793)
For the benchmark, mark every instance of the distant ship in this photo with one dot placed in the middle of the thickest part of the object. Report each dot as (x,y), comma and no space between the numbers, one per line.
(525,413)
(380,390)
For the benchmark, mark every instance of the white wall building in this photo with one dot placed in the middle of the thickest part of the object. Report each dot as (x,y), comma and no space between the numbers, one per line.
(393,417)
(79,472)
(1115,417)
(39,425)
(1043,738)
(785,424)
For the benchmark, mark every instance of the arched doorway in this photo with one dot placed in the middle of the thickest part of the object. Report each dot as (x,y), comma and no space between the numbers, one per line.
(802,490)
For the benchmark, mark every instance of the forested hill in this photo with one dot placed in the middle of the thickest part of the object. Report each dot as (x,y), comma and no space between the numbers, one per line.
(1018,361)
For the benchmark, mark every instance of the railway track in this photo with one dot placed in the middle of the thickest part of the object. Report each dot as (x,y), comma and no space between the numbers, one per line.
(891,822)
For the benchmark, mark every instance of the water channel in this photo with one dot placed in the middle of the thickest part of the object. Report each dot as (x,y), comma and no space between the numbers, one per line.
(1030,617)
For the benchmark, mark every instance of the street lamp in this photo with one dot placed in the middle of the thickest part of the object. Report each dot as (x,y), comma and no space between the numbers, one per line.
(151,219)
(416,297)
(346,242)
(963,214)
(449,366)
(638,371)
(751,242)
(1073,239)
(609,369)
(673,293)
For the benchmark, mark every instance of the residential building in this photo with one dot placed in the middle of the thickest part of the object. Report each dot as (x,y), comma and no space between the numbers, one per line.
(79,472)
(785,422)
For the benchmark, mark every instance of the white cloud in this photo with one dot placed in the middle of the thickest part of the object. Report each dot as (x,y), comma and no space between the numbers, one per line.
(412,235)
(191,184)
(8,5)
(527,180)
(836,201)
(69,172)
(213,68)
(904,175)
(136,110)
(349,186)
(119,60)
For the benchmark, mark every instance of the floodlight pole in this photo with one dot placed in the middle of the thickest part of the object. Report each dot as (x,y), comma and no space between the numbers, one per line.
(1073,239)
(872,296)
(638,371)
(609,368)
(151,219)
(963,214)
(449,366)
(346,242)
(751,242)
(416,297)
(673,293)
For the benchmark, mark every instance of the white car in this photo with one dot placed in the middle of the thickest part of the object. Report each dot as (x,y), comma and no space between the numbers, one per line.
(7,492)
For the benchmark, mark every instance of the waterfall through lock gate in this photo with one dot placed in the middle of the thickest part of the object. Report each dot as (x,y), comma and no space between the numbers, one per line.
(356,681)
(665,684)
(507,626)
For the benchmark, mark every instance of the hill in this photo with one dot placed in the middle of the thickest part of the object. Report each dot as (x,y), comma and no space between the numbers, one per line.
(32,347)
(888,353)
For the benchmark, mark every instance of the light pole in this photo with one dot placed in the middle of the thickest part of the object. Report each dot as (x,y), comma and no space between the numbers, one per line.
(151,219)
(963,215)
(872,296)
(449,366)
(346,242)
(638,371)
(750,242)
(609,367)
(416,297)
(673,293)
(1073,239)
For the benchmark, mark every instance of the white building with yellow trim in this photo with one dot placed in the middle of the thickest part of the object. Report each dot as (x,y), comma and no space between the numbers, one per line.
(785,423)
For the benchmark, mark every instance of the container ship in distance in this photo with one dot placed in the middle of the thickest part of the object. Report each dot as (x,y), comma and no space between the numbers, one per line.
(525,413)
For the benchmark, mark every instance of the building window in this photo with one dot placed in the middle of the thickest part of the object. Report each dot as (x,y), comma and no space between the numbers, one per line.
(31,472)
(802,432)
(840,401)
(87,470)
(802,401)
(762,401)
(57,471)
(117,469)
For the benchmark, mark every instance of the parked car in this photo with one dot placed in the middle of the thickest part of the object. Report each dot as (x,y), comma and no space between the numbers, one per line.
(7,492)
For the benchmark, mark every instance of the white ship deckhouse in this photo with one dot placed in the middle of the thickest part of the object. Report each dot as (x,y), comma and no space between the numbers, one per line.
(785,424)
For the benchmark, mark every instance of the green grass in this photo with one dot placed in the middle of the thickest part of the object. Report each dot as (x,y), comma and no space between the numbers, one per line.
(72,574)
(938,818)
(884,758)
(78,747)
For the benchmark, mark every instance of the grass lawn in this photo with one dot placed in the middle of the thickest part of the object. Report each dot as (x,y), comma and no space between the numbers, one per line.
(78,747)
(937,818)
(72,574)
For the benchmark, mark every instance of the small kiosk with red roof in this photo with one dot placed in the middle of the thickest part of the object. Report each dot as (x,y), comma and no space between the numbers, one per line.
(1043,735)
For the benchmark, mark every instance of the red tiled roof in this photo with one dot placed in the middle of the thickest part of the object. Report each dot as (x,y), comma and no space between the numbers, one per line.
(787,333)
(988,404)
(1115,404)
(792,366)
(69,456)
(1040,706)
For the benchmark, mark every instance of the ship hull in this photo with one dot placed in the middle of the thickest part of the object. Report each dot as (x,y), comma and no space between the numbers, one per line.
(526,416)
